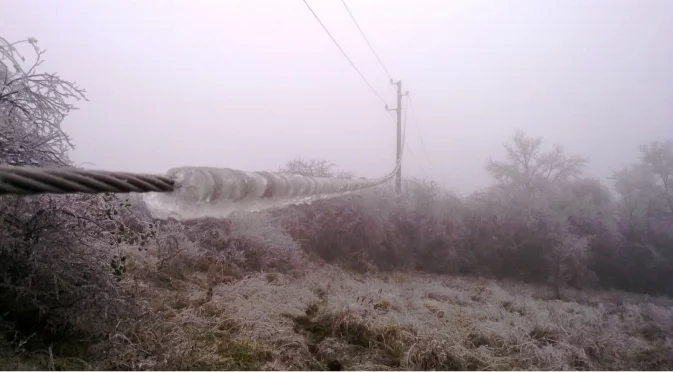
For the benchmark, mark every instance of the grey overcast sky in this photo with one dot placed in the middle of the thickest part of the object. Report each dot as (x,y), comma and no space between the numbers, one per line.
(249,84)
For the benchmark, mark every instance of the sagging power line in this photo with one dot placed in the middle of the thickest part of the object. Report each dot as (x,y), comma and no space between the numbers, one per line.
(367,40)
(418,129)
(398,84)
(344,54)
(405,145)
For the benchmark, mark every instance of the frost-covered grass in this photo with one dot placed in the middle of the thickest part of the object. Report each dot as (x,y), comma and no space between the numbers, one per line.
(322,317)
(327,318)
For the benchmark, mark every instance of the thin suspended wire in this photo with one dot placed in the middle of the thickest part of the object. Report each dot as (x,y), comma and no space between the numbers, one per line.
(344,54)
(418,129)
(367,40)
(405,145)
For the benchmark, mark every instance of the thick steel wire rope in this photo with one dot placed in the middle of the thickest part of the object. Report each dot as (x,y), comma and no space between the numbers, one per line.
(34,180)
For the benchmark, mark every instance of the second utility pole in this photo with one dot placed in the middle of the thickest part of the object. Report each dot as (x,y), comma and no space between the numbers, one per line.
(398,175)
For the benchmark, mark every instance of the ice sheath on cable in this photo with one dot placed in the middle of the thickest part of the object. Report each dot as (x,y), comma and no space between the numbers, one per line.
(218,192)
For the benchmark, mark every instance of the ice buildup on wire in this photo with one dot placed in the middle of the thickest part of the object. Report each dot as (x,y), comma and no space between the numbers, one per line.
(218,192)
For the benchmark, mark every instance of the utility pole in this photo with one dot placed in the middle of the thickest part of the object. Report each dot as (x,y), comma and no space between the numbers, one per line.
(398,109)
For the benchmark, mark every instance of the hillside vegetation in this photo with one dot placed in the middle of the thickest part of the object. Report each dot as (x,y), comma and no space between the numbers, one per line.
(547,268)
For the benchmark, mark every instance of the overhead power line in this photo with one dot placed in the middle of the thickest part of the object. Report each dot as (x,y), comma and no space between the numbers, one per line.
(367,40)
(194,183)
(405,145)
(418,129)
(344,54)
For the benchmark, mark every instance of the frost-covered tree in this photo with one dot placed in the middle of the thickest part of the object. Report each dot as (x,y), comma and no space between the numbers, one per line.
(645,205)
(33,105)
(314,168)
(526,164)
(539,202)
(657,158)
(60,255)
(646,188)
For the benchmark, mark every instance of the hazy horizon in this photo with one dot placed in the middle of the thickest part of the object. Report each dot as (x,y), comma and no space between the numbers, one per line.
(250,84)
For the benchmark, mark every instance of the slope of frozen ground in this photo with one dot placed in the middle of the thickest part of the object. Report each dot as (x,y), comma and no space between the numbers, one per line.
(326,318)
(205,316)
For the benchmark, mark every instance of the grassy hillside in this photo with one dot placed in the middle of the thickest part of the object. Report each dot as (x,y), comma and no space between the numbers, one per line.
(374,280)
(322,317)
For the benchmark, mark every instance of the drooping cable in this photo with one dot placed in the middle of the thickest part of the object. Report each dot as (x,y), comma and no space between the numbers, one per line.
(344,54)
(367,40)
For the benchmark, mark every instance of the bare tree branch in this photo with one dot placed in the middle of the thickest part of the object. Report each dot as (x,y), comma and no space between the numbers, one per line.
(32,108)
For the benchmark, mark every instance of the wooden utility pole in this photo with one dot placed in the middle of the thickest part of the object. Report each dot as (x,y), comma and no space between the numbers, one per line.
(398,109)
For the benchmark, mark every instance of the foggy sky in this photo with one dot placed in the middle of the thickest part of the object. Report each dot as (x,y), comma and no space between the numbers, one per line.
(249,84)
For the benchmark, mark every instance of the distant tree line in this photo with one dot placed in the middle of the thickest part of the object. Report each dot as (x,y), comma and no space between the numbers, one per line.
(542,220)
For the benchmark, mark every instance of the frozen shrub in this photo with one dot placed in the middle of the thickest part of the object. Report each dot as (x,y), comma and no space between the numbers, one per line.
(253,241)
(536,223)
(645,221)
(430,222)
(344,232)
(378,229)
(60,256)
(61,261)
(262,242)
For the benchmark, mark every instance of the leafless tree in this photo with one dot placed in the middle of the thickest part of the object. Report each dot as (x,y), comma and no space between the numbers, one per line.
(526,163)
(541,192)
(60,255)
(657,157)
(315,168)
(33,105)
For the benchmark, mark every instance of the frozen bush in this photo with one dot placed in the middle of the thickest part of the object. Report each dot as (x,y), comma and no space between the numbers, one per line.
(60,256)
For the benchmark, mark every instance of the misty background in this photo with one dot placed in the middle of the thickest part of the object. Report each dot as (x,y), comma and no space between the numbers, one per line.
(250,84)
